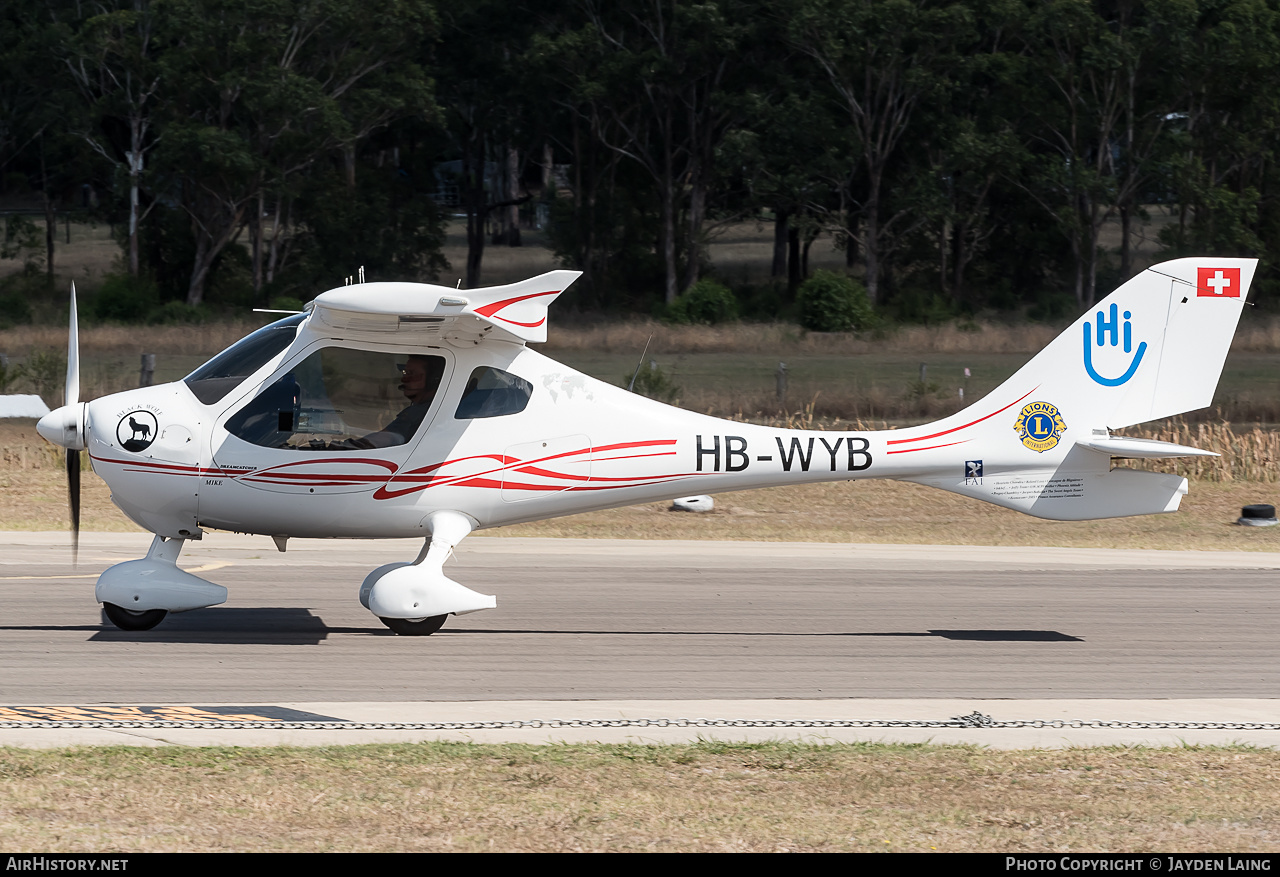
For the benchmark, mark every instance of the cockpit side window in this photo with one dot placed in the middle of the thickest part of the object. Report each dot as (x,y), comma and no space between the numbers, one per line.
(212,381)
(339,399)
(491,392)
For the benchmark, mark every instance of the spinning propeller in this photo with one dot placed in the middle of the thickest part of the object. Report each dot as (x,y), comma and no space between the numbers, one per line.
(65,426)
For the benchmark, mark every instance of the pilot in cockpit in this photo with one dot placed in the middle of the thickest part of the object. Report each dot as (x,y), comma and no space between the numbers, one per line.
(420,376)
(338,399)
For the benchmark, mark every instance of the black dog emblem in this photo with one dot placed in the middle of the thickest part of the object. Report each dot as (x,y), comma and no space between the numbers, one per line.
(137,430)
(137,427)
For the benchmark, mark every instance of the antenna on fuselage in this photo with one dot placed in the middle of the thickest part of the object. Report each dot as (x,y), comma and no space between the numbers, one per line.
(631,387)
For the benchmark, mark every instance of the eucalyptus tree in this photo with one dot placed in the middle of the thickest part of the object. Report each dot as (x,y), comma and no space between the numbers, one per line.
(489,110)
(565,58)
(113,60)
(20,124)
(786,148)
(881,60)
(261,90)
(667,67)
(24,79)
(961,143)
(1096,122)
(35,106)
(1225,179)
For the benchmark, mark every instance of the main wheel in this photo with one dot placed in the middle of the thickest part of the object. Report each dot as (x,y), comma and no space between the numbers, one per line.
(133,619)
(415,626)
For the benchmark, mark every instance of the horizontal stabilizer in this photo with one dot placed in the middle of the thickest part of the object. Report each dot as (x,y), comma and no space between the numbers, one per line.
(1142,449)
(1083,488)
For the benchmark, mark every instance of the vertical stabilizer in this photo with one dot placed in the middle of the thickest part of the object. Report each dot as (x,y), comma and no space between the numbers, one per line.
(1041,442)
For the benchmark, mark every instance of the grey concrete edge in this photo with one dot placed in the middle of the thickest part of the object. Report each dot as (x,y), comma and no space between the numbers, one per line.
(1224,710)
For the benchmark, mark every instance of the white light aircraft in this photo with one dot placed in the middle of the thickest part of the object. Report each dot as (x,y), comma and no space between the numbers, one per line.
(302,430)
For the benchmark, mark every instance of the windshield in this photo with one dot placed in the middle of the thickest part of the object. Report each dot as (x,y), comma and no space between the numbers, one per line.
(222,374)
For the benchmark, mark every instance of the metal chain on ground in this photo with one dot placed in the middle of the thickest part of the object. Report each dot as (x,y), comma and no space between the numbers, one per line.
(973,720)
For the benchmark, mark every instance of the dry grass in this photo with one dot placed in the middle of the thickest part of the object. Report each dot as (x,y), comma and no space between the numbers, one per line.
(630,337)
(784,339)
(203,340)
(701,797)
(1246,455)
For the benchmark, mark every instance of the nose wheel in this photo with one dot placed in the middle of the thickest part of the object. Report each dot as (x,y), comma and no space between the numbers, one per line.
(133,619)
(415,626)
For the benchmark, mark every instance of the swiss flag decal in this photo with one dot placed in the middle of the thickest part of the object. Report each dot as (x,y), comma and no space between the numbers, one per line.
(1218,282)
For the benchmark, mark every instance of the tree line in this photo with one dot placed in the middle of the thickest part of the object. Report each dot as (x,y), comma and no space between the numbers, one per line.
(965,155)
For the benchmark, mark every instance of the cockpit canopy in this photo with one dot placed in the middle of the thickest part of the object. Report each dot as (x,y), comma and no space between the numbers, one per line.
(342,399)
(212,381)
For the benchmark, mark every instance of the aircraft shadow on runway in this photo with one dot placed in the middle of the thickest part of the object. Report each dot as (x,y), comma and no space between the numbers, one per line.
(1011,636)
(266,625)
(296,626)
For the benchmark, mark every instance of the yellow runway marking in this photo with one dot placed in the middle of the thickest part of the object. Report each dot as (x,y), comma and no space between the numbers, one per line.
(125,714)
(208,567)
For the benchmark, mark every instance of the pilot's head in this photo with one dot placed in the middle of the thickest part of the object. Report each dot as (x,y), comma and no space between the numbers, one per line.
(420,376)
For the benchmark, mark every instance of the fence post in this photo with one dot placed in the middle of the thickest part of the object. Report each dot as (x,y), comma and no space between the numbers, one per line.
(781,378)
(148,369)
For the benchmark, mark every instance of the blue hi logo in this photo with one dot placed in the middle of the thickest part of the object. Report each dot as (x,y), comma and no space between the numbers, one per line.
(1109,333)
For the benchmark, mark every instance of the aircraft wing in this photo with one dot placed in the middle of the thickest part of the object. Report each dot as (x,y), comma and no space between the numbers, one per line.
(515,312)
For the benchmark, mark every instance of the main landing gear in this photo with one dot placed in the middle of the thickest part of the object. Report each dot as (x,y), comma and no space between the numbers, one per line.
(133,619)
(412,599)
(415,626)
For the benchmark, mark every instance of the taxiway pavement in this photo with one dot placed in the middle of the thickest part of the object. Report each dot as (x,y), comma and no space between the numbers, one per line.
(591,628)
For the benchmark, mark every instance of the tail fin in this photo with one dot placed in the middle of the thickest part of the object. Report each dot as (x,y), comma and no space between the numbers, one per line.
(1153,348)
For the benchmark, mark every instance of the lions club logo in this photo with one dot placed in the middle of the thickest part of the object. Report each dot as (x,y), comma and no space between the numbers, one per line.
(1039,425)
(137,430)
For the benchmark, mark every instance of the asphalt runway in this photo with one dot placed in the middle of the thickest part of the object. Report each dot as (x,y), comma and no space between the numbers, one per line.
(683,622)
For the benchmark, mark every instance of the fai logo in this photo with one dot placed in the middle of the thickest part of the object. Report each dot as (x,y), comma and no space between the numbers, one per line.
(1039,425)
(1217,282)
(1107,338)
(972,472)
(137,430)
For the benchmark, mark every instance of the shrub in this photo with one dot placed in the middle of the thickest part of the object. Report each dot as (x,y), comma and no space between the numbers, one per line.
(176,313)
(47,372)
(705,303)
(830,302)
(125,299)
(19,234)
(763,302)
(653,382)
(14,309)
(18,291)
(9,374)
(286,303)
